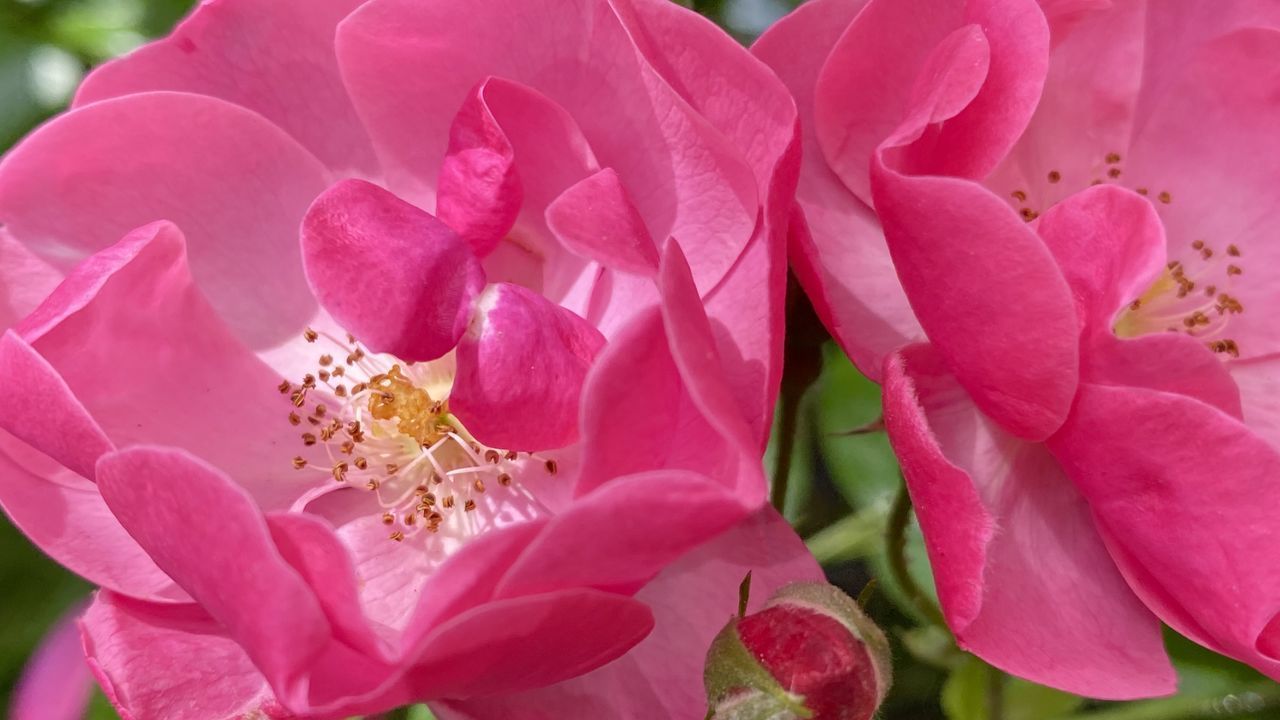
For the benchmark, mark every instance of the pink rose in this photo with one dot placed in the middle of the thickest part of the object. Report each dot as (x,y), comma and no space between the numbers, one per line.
(518,363)
(1064,288)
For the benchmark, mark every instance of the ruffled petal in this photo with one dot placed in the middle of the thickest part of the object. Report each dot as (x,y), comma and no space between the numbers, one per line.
(1186,499)
(275,58)
(1023,577)
(235,183)
(397,278)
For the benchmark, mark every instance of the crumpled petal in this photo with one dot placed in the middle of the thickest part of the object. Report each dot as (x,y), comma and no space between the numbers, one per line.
(1024,579)
(597,219)
(521,367)
(396,278)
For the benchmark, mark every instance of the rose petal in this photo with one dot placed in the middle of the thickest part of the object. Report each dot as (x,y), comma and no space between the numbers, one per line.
(597,219)
(395,277)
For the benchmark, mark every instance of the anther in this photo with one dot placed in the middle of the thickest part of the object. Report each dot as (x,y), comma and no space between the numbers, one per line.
(1113,158)
(310,335)
(1233,251)
(1197,245)
(397,536)
(1234,270)
(551,466)
(284,387)
(299,462)
(326,360)
(294,419)
(1142,191)
(1054,176)
(447,502)
(340,391)
(478,485)
(1165,197)
(1113,172)
(361,463)
(1019,195)
(308,439)
(469,506)
(340,471)
(504,480)
(388,518)
(298,398)
(373,484)
(492,457)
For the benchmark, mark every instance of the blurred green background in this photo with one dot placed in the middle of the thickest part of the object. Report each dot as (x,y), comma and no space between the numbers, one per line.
(841,487)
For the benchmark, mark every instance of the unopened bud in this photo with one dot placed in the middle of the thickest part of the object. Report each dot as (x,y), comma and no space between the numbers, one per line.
(810,653)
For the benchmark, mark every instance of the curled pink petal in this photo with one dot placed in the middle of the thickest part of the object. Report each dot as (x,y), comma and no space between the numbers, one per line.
(597,219)
(395,277)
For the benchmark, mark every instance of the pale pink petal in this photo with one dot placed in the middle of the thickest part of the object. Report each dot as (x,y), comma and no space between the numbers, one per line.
(203,531)
(670,512)
(1149,462)
(527,642)
(837,248)
(521,367)
(42,411)
(65,516)
(235,183)
(597,219)
(1109,245)
(686,179)
(1022,575)
(274,58)
(1259,383)
(1208,150)
(56,683)
(172,662)
(692,600)
(479,190)
(1084,118)
(205,392)
(25,280)
(397,278)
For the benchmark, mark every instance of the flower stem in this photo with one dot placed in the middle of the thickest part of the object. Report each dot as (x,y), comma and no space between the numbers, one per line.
(995,694)
(896,546)
(801,365)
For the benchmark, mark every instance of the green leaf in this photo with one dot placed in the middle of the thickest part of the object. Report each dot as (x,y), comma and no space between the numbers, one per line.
(967,694)
(862,466)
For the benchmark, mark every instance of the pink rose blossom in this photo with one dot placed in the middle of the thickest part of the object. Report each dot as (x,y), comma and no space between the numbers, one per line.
(1065,287)
(374,353)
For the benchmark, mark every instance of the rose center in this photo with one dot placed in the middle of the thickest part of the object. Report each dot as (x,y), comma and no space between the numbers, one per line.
(373,422)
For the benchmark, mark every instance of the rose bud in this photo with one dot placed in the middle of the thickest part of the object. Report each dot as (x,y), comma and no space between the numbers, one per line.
(810,653)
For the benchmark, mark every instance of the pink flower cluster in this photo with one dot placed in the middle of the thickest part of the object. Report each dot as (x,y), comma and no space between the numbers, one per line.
(374,352)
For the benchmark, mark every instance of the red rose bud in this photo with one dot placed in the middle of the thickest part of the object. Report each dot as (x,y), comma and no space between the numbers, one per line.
(810,653)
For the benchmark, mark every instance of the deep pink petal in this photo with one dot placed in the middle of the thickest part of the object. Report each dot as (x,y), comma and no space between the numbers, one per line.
(597,219)
(235,183)
(56,683)
(394,276)
(527,642)
(187,380)
(1022,575)
(43,412)
(687,180)
(837,248)
(1169,362)
(64,515)
(1209,145)
(204,531)
(172,662)
(521,367)
(1186,499)
(276,59)
(990,296)
(1109,245)
(668,513)
(692,600)
(866,86)
(479,191)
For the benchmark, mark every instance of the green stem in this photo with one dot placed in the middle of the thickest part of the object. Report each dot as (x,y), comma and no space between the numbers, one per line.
(852,537)
(789,409)
(995,694)
(896,546)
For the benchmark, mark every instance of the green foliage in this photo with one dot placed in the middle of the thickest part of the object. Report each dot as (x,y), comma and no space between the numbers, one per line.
(972,688)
